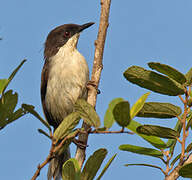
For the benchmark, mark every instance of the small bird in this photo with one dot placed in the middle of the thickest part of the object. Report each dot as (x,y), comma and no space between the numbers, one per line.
(64,79)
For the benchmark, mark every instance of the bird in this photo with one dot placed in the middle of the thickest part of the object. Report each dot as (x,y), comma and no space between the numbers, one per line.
(64,79)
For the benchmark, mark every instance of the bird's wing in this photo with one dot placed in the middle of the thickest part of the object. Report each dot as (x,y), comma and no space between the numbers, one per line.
(44,79)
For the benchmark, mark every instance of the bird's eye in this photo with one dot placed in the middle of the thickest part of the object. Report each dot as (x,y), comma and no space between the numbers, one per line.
(66,34)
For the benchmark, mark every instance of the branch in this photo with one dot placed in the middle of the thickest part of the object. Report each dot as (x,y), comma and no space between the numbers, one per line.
(40,166)
(96,71)
(184,130)
(174,174)
(54,149)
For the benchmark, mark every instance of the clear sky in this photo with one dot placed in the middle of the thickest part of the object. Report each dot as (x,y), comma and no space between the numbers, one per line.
(139,32)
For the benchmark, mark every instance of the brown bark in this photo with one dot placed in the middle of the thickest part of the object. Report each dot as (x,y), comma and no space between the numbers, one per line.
(96,72)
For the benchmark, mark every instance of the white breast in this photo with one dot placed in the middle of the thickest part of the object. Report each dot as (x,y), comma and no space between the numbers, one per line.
(68,77)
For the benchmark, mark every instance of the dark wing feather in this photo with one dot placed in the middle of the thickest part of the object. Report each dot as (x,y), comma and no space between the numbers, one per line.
(44,80)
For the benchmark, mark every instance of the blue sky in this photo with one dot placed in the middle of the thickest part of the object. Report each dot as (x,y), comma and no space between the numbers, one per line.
(139,32)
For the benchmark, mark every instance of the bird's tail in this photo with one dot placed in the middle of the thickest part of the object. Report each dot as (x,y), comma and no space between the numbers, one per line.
(55,165)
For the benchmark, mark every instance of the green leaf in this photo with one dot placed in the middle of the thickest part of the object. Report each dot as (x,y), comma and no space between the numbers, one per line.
(138,105)
(147,165)
(3,123)
(12,75)
(141,150)
(71,170)
(162,132)
(189,148)
(121,113)
(186,171)
(68,170)
(8,103)
(159,110)
(189,102)
(153,81)
(16,115)
(189,77)
(93,164)
(106,167)
(44,133)
(155,141)
(189,121)
(76,165)
(3,83)
(67,125)
(109,118)
(87,113)
(31,109)
(169,71)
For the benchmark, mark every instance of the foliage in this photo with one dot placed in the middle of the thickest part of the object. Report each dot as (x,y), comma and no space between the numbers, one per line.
(72,171)
(171,83)
(9,100)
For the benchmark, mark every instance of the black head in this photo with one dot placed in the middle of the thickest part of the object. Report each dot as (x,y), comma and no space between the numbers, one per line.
(60,35)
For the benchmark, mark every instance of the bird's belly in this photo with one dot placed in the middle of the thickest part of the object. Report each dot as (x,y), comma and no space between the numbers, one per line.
(65,86)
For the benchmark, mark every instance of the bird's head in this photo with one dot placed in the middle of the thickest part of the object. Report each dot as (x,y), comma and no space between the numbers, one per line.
(61,35)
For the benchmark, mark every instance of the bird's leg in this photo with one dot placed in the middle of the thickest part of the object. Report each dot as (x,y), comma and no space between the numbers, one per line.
(79,144)
(92,84)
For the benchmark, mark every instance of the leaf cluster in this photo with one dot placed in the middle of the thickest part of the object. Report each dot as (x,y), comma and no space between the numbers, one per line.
(9,100)
(72,171)
(168,81)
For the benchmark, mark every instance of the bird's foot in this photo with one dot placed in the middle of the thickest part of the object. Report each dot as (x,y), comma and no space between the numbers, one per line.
(79,144)
(92,84)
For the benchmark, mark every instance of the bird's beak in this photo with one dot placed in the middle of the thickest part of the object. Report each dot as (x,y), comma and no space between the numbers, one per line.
(85,26)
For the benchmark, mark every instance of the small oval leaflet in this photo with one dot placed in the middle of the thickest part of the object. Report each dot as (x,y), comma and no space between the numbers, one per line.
(159,110)
(153,81)
(169,71)
(93,164)
(121,113)
(67,125)
(141,150)
(186,171)
(87,113)
(136,108)
(109,118)
(68,170)
(153,140)
(189,77)
(162,132)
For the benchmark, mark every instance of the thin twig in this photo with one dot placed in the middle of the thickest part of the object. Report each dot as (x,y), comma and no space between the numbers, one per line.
(63,142)
(40,166)
(189,91)
(53,150)
(184,130)
(175,172)
(181,98)
(96,71)
(179,140)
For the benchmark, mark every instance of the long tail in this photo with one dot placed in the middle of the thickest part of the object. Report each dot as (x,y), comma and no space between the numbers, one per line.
(55,166)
